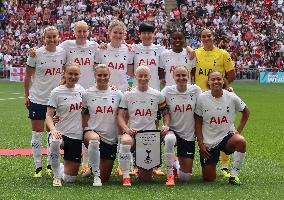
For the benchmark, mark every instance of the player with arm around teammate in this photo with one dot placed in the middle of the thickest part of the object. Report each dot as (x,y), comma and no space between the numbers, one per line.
(181,99)
(44,72)
(137,111)
(100,104)
(214,119)
(67,134)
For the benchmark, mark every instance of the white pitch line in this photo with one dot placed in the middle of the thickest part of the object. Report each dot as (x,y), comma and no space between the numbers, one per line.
(10,93)
(12,98)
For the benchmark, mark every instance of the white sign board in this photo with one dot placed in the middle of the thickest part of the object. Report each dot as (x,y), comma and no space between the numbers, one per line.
(148,149)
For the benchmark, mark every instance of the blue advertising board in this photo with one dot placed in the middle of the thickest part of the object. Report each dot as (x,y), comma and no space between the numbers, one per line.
(271,77)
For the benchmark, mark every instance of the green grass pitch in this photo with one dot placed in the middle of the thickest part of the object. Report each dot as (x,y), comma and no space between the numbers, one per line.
(262,174)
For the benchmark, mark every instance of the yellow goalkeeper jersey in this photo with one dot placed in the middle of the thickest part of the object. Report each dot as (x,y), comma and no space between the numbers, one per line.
(207,61)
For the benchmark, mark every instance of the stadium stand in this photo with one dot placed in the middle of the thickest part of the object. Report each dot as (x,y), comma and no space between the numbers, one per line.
(252,31)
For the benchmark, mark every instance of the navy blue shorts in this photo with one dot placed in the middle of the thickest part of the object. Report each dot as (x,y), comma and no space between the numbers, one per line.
(108,151)
(72,149)
(185,148)
(215,152)
(37,111)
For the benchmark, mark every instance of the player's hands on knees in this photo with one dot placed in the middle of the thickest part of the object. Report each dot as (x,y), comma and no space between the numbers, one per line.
(27,102)
(56,134)
(103,46)
(164,130)
(55,119)
(130,131)
(32,52)
(204,151)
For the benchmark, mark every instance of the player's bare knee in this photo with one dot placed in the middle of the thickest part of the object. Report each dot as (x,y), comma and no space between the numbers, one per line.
(240,143)
(170,139)
(55,144)
(89,136)
(126,140)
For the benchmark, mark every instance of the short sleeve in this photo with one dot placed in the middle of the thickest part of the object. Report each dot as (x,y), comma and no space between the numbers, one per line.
(161,61)
(84,99)
(123,102)
(31,62)
(191,63)
(98,57)
(130,58)
(198,108)
(239,104)
(228,62)
(52,100)
(162,102)
(165,91)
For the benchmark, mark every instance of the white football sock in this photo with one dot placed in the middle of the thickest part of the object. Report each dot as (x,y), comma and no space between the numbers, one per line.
(48,134)
(94,156)
(85,156)
(55,157)
(170,140)
(238,159)
(124,159)
(68,179)
(36,148)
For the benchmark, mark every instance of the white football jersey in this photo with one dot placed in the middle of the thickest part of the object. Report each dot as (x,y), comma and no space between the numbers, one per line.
(102,106)
(149,56)
(68,104)
(117,60)
(48,70)
(181,107)
(84,55)
(218,115)
(142,107)
(170,60)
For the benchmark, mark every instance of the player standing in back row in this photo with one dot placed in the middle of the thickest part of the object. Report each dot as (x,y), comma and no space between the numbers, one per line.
(44,71)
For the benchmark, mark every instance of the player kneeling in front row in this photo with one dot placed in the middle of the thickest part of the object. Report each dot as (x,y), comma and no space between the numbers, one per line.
(99,119)
(181,100)
(137,111)
(214,118)
(67,134)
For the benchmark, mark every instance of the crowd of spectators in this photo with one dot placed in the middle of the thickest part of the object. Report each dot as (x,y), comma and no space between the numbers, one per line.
(22,22)
(252,31)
